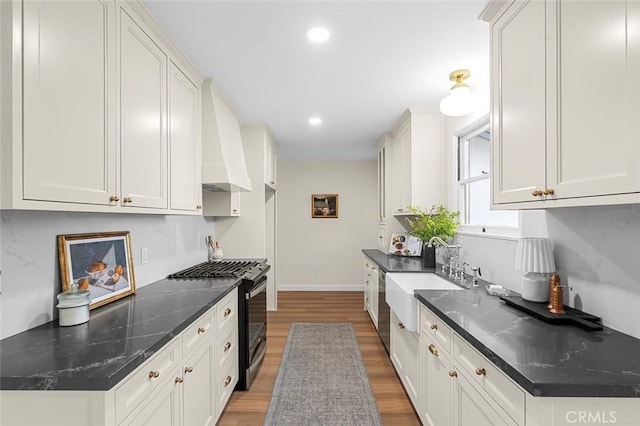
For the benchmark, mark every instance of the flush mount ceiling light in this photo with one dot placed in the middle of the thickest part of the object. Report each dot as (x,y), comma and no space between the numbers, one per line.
(318,34)
(460,101)
(315,121)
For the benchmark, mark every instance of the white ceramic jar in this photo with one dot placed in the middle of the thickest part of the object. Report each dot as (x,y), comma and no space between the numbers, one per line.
(73,307)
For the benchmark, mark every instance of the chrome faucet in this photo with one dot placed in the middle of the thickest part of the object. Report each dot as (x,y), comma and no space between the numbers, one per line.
(476,271)
(437,240)
(454,261)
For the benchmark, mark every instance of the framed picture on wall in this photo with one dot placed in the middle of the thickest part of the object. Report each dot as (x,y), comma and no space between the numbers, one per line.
(324,206)
(100,262)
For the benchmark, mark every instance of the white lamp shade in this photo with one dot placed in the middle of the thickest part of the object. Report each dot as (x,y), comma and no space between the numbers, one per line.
(535,255)
(459,102)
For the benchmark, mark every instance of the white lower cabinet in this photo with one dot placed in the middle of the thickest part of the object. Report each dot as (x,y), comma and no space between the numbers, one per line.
(471,408)
(404,352)
(370,272)
(186,383)
(226,352)
(162,410)
(436,384)
(198,392)
(458,385)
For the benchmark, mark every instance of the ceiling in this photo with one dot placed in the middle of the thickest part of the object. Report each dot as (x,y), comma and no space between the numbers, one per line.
(381,57)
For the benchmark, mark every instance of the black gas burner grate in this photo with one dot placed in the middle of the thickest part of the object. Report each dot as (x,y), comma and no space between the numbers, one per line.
(220,269)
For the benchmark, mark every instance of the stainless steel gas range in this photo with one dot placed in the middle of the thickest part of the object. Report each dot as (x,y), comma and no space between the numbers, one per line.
(252,309)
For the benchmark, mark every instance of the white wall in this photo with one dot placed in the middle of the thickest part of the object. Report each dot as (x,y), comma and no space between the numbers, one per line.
(29,257)
(325,254)
(597,250)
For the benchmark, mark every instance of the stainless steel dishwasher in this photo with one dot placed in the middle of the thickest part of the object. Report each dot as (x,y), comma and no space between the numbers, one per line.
(384,312)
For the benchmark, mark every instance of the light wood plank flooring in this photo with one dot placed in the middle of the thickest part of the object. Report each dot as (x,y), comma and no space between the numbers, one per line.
(250,408)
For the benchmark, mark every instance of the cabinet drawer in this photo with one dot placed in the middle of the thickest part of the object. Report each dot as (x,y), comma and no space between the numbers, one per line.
(147,378)
(226,346)
(201,330)
(436,328)
(227,310)
(226,381)
(494,382)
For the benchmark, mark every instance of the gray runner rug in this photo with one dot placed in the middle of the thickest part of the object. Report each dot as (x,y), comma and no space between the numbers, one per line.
(322,379)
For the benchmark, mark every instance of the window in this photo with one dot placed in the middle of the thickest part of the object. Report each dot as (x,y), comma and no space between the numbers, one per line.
(474,184)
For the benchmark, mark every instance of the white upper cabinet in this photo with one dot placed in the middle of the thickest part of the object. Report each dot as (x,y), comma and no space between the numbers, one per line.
(519,115)
(142,100)
(595,113)
(270,163)
(383,177)
(417,161)
(222,203)
(184,141)
(565,101)
(93,92)
(68,101)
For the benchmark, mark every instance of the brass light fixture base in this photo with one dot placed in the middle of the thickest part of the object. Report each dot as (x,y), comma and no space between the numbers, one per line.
(459,76)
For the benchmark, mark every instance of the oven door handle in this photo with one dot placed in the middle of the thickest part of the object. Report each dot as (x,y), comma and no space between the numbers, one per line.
(251,294)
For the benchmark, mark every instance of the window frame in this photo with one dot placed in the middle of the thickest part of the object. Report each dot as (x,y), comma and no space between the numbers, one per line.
(489,231)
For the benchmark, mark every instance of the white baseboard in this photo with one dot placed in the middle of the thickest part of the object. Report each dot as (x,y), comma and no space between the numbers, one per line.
(320,287)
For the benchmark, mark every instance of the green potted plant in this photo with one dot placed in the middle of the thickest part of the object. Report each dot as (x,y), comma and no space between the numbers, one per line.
(437,222)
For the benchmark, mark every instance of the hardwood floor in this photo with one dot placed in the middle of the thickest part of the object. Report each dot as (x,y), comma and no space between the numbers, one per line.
(250,408)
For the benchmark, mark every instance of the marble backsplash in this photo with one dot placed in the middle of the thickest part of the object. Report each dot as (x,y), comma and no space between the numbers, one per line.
(30,276)
(597,254)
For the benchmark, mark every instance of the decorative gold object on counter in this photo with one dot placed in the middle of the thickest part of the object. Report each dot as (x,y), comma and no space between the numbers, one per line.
(556,305)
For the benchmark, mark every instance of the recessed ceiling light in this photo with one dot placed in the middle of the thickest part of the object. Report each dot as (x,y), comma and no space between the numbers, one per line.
(318,34)
(315,121)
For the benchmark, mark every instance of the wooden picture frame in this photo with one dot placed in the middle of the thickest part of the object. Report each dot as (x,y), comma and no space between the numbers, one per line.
(99,262)
(324,206)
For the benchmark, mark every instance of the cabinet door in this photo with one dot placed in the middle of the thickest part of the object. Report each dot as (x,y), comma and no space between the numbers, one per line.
(519,102)
(594,149)
(382,188)
(398,181)
(269,163)
(382,238)
(396,345)
(69,101)
(471,409)
(411,366)
(143,111)
(184,142)
(437,385)
(198,395)
(161,410)
(373,285)
(406,173)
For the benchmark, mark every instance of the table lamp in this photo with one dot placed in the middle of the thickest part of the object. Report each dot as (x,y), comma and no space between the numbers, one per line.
(534,256)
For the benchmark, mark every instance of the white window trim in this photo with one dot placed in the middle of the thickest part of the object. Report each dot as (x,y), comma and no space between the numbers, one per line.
(495,232)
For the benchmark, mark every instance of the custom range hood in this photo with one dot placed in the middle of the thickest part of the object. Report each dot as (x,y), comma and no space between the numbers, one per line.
(223,164)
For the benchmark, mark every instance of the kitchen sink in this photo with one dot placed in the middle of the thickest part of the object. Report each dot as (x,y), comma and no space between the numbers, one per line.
(399,293)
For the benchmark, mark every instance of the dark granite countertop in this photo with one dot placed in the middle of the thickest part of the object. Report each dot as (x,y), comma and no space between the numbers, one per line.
(545,359)
(118,338)
(395,263)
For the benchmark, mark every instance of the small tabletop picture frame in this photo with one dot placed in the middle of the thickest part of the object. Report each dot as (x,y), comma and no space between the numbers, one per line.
(324,206)
(99,262)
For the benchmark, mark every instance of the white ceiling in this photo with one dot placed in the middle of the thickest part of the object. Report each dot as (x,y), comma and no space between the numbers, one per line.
(381,58)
